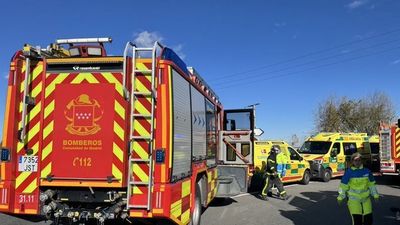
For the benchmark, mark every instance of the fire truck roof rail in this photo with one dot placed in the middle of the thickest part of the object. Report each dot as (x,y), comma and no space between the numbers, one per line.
(199,80)
(84,40)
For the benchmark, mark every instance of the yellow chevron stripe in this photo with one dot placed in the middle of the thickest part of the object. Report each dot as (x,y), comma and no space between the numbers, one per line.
(31,187)
(91,79)
(119,109)
(38,70)
(50,88)
(47,130)
(35,148)
(32,114)
(78,79)
(49,109)
(176,208)
(37,90)
(21,177)
(116,173)
(85,76)
(23,67)
(141,66)
(140,151)
(136,190)
(139,86)
(32,132)
(140,129)
(118,152)
(185,188)
(111,79)
(140,108)
(20,107)
(47,150)
(46,171)
(185,217)
(118,130)
(140,173)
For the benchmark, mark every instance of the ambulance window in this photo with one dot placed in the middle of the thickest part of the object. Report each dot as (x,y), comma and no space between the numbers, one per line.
(293,154)
(349,148)
(230,153)
(374,148)
(337,147)
(245,149)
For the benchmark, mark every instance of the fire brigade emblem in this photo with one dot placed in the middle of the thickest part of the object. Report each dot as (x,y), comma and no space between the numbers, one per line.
(83,113)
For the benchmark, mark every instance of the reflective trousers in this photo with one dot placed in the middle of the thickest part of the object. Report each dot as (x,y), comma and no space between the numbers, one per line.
(361,212)
(269,182)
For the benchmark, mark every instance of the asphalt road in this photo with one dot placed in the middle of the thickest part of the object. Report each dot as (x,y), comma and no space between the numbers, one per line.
(311,204)
(314,203)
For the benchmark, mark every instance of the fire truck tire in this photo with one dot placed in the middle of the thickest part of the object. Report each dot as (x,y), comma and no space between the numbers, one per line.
(306,177)
(196,215)
(327,175)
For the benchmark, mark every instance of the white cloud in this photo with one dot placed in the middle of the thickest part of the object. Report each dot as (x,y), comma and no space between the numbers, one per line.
(356,4)
(280,24)
(5,75)
(345,51)
(396,61)
(178,50)
(147,39)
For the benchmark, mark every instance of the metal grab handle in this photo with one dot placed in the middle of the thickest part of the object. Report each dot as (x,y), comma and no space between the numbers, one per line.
(24,107)
(126,51)
(236,151)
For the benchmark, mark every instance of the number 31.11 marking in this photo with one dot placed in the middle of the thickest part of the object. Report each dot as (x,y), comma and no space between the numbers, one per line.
(26,198)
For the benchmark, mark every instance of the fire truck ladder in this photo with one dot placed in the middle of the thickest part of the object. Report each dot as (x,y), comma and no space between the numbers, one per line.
(134,96)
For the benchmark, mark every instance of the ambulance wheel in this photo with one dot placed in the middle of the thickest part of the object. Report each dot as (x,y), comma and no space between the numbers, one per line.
(327,175)
(196,215)
(306,177)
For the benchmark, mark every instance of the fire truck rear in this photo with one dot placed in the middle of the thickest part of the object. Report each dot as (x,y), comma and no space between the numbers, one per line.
(139,136)
(390,148)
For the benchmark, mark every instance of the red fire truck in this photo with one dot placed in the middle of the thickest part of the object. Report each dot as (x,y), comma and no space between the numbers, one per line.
(140,136)
(390,148)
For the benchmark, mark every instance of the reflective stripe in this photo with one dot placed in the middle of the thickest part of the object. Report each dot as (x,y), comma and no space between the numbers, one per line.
(355,198)
(358,191)
(373,191)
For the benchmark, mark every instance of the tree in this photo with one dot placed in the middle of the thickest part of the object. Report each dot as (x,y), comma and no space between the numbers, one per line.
(354,115)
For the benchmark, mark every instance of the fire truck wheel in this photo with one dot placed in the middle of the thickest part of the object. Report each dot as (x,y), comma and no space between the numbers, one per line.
(306,177)
(196,215)
(327,175)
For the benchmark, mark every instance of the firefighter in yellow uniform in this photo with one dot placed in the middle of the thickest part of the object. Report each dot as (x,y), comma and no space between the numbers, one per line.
(357,187)
(275,170)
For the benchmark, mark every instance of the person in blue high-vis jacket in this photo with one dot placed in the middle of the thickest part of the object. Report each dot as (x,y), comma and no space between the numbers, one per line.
(275,169)
(357,187)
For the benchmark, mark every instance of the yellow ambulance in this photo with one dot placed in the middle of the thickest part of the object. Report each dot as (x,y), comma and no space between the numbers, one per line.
(297,169)
(329,153)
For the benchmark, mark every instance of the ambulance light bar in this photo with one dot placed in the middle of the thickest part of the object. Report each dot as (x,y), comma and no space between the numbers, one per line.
(84,40)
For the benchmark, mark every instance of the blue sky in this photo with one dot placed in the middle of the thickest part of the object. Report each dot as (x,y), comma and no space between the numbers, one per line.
(289,56)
